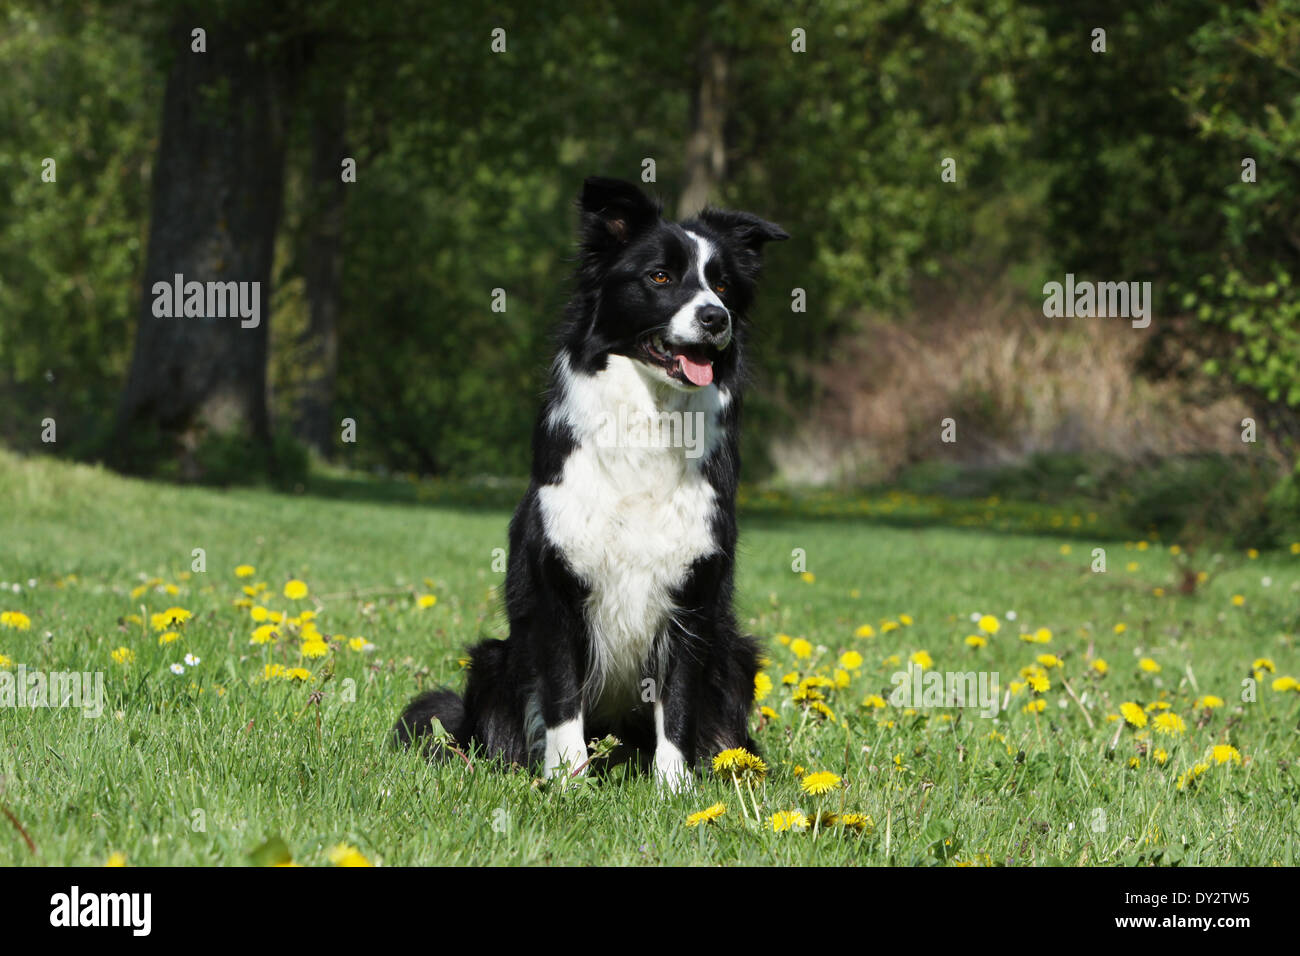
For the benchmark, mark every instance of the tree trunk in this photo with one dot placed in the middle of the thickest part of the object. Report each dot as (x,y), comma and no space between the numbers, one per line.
(217,188)
(322,249)
(706,149)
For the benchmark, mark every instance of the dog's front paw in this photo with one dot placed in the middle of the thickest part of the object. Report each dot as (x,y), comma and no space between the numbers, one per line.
(672,774)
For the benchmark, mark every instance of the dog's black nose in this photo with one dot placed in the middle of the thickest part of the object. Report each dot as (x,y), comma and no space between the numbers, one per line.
(712,318)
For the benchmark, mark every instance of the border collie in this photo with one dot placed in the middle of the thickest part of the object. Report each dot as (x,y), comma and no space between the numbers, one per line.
(622,552)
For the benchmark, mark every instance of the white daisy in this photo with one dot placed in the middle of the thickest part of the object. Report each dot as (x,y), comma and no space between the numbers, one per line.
(178,668)
(192,660)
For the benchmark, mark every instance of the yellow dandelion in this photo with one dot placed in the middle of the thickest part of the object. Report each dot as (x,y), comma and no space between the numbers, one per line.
(1148,665)
(976,640)
(1238,600)
(1135,715)
(123,655)
(297,673)
(866,630)
(739,762)
(989,624)
(1223,753)
(922,659)
(905,620)
(168,637)
(345,855)
(245,571)
(788,820)
(1169,723)
(873,701)
(851,660)
(314,648)
(1286,683)
(1036,706)
(295,590)
(265,634)
(762,685)
(707,815)
(815,784)
(1100,666)
(807,577)
(1208,701)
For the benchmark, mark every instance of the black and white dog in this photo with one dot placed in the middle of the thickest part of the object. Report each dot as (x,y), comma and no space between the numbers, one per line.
(622,552)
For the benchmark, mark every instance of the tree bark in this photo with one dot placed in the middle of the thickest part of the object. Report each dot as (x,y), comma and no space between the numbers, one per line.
(217,189)
(706,148)
(322,261)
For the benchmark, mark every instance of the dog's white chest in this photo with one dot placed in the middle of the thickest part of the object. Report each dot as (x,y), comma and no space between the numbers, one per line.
(631,513)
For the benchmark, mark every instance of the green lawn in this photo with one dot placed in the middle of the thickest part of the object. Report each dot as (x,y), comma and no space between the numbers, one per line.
(206,766)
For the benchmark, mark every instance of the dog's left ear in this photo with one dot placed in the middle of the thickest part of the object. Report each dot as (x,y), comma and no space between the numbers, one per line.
(614,211)
(746,231)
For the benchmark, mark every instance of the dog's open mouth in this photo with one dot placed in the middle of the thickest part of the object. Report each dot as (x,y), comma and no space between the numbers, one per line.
(691,364)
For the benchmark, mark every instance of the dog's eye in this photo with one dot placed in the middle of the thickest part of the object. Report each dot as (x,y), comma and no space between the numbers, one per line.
(720,287)
(659,278)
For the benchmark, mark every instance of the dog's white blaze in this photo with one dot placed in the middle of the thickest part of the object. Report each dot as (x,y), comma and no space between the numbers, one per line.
(670,764)
(630,520)
(682,326)
(565,747)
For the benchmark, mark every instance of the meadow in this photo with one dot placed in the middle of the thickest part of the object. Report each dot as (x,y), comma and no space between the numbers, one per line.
(1147,714)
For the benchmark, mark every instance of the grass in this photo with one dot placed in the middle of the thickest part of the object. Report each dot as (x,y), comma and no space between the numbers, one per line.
(211,765)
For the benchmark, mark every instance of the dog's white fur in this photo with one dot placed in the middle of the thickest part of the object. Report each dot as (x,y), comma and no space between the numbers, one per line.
(630,521)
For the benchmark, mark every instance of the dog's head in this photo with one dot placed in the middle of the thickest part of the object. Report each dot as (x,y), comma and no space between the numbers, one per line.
(672,296)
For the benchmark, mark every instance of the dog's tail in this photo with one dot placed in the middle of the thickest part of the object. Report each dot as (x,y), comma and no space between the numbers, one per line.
(489,717)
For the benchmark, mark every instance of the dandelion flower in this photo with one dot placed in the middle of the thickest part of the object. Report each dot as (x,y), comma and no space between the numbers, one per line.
(1208,701)
(922,659)
(707,815)
(1169,723)
(314,648)
(16,620)
(123,655)
(245,571)
(345,855)
(1148,665)
(801,648)
(866,630)
(297,673)
(975,640)
(851,660)
(295,590)
(739,762)
(989,624)
(426,601)
(1223,753)
(788,820)
(816,784)
(1134,714)
(168,637)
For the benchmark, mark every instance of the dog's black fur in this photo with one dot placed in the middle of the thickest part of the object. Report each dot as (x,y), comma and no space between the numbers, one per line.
(636,274)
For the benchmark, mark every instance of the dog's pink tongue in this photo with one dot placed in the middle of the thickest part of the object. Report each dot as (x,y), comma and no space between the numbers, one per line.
(699,373)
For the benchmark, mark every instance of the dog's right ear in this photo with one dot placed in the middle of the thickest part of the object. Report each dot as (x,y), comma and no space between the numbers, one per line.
(613,212)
